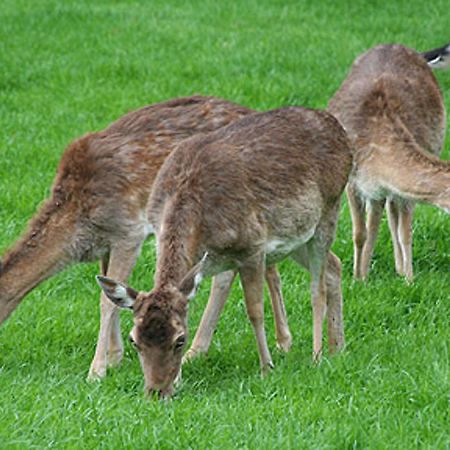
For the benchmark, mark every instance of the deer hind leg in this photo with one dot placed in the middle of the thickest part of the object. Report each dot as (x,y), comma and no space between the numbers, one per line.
(109,348)
(335,317)
(375,213)
(283,334)
(357,211)
(252,277)
(393,221)
(334,301)
(220,290)
(313,258)
(406,211)
(319,303)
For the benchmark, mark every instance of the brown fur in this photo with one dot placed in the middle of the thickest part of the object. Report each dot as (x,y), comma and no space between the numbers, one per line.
(392,109)
(231,195)
(99,170)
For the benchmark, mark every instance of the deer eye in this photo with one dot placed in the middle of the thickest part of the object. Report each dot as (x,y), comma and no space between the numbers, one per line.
(179,343)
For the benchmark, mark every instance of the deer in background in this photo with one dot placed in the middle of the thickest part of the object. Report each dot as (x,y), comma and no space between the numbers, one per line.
(266,187)
(97,210)
(392,109)
(438,58)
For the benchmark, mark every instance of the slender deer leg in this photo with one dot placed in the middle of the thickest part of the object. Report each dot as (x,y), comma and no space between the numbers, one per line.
(375,213)
(335,317)
(335,322)
(405,236)
(115,345)
(220,290)
(284,338)
(252,277)
(357,212)
(311,257)
(393,218)
(121,262)
(319,303)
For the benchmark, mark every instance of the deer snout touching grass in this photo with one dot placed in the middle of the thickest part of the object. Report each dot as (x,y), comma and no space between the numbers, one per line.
(241,199)
(392,109)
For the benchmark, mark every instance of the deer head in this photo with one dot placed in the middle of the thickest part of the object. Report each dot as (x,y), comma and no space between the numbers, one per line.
(160,330)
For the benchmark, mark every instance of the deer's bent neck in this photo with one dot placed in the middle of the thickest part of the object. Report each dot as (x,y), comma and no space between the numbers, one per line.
(402,167)
(178,243)
(43,250)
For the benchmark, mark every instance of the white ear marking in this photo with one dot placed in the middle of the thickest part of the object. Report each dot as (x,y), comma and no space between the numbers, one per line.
(120,291)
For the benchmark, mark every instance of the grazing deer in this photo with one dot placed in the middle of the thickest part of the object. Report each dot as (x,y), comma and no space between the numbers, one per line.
(97,210)
(392,109)
(266,187)
(438,58)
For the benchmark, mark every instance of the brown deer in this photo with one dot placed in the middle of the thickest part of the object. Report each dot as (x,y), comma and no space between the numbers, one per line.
(97,210)
(392,109)
(266,187)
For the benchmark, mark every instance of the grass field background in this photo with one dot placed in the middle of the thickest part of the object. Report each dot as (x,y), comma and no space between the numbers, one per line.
(69,67)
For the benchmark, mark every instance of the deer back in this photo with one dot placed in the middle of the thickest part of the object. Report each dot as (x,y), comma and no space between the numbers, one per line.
(266,173)
(392,83)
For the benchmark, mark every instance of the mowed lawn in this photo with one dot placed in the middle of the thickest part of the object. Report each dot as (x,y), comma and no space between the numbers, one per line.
(69,67)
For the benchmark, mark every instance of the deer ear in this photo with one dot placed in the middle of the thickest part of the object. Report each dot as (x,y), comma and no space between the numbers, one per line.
(118,293)
(192,279)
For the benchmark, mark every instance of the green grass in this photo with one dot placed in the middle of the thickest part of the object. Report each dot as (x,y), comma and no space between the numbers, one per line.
(67,67)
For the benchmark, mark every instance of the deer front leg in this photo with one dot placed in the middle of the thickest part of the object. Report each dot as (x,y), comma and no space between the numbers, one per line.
(284,338)
(252,277)
(375,212)
(109,344)
(393,220)
(357,212)
(115,343)
(220,290)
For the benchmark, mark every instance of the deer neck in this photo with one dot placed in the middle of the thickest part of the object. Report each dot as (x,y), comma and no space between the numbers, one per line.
(178,244)
(403,167)
(42,251)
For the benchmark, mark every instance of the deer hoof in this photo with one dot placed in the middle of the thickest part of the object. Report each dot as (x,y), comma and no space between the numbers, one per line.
(284,344)
(191,354)
(115,358)
(266,369)
(96,373)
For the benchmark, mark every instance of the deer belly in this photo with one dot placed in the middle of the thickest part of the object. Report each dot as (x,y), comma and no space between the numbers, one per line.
(279,248)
